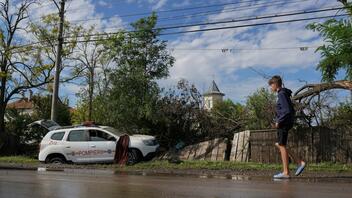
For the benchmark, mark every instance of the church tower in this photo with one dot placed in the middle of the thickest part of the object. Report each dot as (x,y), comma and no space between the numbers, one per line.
(212,96)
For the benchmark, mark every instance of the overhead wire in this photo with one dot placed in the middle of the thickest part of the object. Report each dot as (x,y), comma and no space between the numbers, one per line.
(206,29)
(226,21)
(251,6)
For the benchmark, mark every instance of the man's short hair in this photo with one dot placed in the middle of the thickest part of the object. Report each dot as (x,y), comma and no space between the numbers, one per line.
(275,79)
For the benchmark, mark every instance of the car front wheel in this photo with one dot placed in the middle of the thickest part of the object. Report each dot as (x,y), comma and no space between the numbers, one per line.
(57,160)
(134,156)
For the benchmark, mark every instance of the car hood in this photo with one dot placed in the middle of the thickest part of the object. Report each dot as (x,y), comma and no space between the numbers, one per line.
(142,137)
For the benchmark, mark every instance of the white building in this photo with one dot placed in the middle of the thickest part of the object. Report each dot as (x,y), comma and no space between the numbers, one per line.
(212,96)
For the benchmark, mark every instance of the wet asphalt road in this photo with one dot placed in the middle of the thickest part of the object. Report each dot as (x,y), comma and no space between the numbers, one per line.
(100,184)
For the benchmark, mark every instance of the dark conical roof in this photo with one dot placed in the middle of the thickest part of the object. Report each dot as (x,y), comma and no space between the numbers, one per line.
(213,90)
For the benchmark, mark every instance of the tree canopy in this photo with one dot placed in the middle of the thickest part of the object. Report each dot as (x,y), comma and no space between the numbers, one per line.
(337,50)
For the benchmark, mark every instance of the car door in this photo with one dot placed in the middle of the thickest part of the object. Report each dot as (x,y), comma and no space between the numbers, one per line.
(76,147)
(101,146)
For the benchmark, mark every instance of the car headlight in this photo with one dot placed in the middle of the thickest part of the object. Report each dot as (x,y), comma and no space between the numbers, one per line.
(150,142)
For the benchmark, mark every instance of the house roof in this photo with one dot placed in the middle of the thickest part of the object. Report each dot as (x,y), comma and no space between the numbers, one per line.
(213,90)
(23,103)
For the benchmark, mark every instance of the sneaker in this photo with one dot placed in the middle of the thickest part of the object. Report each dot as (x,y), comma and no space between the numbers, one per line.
(281,176)
(300,169)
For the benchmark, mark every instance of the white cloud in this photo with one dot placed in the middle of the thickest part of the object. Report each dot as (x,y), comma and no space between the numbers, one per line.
(200,66)
(72,89)
(104,4)
(156,4)
(80,12)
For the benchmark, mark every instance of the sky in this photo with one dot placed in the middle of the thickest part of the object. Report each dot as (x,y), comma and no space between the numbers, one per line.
(205,56)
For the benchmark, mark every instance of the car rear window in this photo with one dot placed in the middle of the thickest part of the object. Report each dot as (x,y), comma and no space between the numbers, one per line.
(57,136)
(77,136)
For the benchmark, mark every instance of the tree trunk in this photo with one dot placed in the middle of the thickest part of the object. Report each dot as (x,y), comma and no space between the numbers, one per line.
(2,119)
(2,98)
(91,91)
(311,90)
(2,112)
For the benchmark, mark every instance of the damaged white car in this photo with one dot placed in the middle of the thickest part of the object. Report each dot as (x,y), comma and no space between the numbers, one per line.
(90,144)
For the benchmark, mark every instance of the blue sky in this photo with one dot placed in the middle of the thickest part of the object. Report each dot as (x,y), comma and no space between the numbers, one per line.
(233,70)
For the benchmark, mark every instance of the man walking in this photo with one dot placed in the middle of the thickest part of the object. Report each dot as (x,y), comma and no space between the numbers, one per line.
(284,122)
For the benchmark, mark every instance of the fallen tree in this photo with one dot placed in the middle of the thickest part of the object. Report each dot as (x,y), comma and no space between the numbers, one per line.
(309,100)
(308,91)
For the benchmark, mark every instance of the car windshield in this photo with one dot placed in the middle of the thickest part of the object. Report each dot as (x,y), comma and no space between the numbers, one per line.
(113,130)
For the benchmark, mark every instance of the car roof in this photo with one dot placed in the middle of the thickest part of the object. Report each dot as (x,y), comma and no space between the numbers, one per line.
(80,127)
(77,128)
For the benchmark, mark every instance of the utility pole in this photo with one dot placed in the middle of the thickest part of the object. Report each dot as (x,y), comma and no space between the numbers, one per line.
(55,96)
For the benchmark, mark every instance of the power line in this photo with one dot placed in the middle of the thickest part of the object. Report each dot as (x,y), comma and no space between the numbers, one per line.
(223,28)
(248,17)
(225,10)
(163,11)
(188,15)
(253,18)
(257,24)
(202,30)
(199,7)
(225,50)
(231,20)
(226,21)
(260,73)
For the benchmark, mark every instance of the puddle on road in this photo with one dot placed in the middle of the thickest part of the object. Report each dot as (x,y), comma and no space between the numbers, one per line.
(305,179)
(77,171)
(93,183)
(103,173)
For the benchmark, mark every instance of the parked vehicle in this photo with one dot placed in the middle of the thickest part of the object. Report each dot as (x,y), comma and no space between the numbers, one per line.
(91,144)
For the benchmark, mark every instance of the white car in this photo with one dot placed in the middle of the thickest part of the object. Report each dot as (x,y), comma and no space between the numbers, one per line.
(93,144)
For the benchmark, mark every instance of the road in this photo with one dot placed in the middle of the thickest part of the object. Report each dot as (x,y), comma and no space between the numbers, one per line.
(105,184)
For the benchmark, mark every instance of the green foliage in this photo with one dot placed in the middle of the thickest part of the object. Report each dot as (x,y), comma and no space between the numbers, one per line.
(29,66)
(47,32)
(229,109)
(180,116)
(342,116)
(42,110)
(336,53)
(234,166)
(17,124)
(16,140)
(141,59)
(18,160)
(229,118)
(80,113)
(19,138)
(101,114)
(91,63)
(261,109)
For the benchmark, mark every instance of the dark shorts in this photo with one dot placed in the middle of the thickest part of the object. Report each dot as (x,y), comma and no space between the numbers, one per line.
(282,134)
